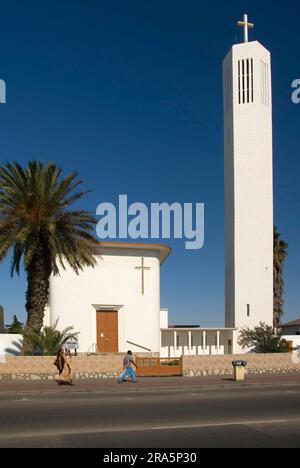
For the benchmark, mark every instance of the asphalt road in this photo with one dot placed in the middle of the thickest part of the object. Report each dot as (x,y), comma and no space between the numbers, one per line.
(235,417)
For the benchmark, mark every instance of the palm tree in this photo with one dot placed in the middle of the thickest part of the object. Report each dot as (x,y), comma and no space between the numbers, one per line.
(39,228)
(280,254)
(46,342)
(49,340)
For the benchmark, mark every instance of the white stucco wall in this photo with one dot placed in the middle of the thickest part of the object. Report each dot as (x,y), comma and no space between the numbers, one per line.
(10,342)
(164,318)
(248,190)
(47,316)
(114,283)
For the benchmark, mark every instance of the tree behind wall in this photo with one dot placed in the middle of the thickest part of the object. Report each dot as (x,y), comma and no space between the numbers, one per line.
(49,340)
(263,339)
(280,254)
(46,342)
(16,327)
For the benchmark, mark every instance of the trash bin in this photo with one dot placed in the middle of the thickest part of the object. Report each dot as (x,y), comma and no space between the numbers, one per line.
(239,370)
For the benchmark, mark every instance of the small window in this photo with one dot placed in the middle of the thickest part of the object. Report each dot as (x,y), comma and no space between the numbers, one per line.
(248,310)
(228,90)
(265,90)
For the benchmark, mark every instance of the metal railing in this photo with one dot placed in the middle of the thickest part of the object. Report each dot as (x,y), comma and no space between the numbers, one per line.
(139,346)
(93,349)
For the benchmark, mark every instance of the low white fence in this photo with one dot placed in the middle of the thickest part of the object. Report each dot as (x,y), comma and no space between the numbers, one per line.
(10,345)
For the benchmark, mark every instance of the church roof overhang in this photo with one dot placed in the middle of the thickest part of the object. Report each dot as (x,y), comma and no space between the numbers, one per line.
(160,250)
(294,323)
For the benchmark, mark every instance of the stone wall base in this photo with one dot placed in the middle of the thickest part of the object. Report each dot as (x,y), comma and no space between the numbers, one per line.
(115,375)
(53,377)
(229,372)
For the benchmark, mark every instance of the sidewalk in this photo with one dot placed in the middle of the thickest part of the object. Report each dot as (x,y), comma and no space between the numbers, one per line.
(147,384)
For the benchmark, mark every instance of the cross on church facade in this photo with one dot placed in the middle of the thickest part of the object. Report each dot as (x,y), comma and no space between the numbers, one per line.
(246,25)
(143,269)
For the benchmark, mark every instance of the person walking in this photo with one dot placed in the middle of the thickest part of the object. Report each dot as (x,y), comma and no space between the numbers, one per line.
(68,368)
(128,362)
(63,364)
(59,363)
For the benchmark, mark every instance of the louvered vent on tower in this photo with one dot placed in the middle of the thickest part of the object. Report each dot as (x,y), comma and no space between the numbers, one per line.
(245,81)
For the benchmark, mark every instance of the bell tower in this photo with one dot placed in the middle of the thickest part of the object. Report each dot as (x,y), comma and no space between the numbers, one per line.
(248,158)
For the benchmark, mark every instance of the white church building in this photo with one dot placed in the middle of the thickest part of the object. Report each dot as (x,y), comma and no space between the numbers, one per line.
(116,305)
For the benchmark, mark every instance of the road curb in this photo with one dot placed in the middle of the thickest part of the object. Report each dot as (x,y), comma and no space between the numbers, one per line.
(164,389)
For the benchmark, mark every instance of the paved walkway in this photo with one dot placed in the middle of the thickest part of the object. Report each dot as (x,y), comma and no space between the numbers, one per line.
(146,384)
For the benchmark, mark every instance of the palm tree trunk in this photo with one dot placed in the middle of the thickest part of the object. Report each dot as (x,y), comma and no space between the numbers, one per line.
(38,275)
(280,254)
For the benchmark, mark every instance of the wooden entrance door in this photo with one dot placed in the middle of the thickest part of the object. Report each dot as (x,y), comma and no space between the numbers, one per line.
(107,331)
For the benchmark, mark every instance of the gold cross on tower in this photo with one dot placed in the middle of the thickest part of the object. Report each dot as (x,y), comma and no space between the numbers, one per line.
(244,24)
(143,268)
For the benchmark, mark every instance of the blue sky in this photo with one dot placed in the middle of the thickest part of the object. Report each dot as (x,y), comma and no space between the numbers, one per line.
(129,94)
